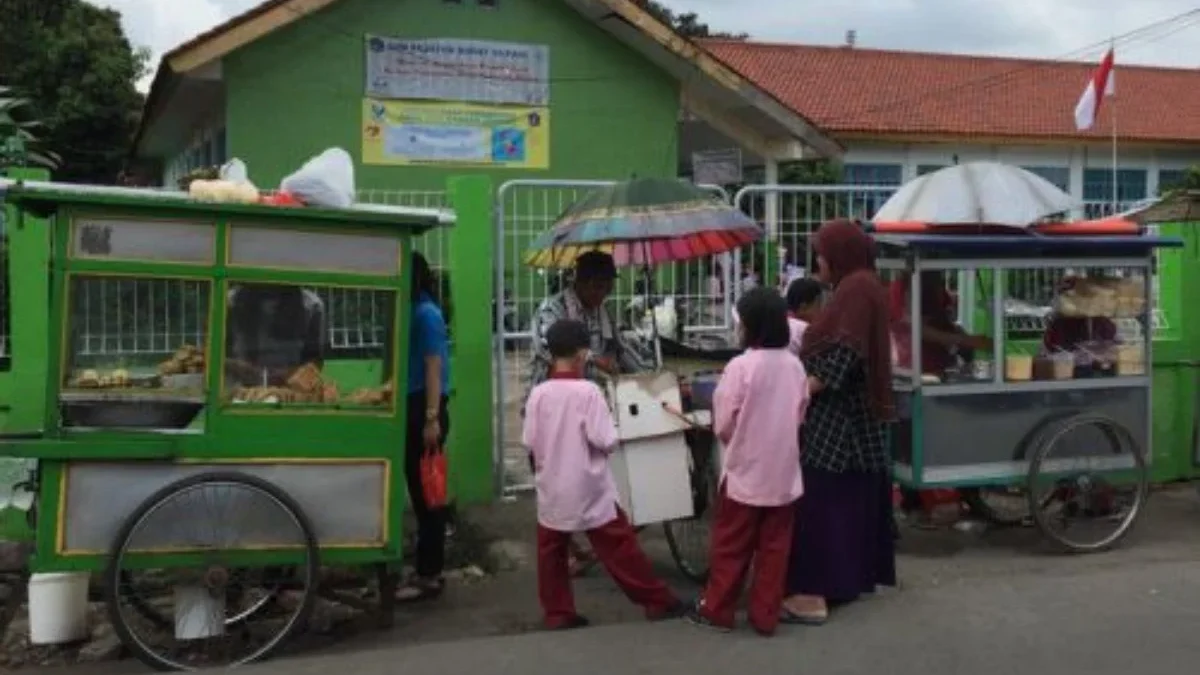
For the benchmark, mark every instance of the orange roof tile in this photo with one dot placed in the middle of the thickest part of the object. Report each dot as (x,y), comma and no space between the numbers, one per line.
(854,90)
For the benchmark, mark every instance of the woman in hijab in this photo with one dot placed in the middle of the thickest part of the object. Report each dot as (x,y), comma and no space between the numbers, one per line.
(842,543)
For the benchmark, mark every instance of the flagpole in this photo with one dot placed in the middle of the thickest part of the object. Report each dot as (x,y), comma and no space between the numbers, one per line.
(1112,46)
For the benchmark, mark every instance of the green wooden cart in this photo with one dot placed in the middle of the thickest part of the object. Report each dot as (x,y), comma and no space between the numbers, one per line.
(201,455)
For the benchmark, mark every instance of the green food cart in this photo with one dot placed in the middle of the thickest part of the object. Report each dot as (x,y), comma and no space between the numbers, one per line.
(199,443)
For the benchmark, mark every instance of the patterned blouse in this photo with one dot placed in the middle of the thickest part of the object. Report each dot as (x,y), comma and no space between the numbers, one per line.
(606,338)
(840,432)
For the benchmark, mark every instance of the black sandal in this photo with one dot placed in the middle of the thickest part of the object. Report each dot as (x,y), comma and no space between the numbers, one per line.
(419,590)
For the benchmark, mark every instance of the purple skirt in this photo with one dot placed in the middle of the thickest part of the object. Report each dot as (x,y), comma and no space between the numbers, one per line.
(842,543)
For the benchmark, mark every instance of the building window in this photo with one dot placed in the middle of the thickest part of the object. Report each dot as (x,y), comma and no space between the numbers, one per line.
(221,149)
(1098,190)
(923,169)
(872,174)
(1058,176)
(1169,179)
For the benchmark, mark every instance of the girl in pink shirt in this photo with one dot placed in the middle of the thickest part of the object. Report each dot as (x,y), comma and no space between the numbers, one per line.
(569,433)
(758,407)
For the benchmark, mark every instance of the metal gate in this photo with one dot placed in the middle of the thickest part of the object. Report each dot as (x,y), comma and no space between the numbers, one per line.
(523,210)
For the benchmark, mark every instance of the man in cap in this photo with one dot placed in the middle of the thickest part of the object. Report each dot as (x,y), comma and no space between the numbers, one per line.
(583,301)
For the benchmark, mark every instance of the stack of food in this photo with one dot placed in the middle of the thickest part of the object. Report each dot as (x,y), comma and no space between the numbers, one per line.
(372,395)
(94,379)
(187,360)
(1107,298)
(305,385)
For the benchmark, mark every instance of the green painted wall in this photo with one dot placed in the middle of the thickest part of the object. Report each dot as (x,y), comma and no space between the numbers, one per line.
(299,90)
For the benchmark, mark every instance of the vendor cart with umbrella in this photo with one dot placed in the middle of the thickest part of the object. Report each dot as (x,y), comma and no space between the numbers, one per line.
(1065,422)
(667,466)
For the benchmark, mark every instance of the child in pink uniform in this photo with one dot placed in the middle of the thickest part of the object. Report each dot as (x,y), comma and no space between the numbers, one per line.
(570,433)
(803,298)
(758,407)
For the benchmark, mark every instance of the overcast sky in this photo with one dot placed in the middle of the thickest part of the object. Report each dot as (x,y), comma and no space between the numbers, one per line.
(1035,28)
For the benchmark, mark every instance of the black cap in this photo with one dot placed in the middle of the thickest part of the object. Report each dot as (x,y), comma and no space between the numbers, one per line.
(595,265)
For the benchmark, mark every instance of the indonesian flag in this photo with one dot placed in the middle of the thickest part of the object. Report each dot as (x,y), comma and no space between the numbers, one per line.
(1101,85)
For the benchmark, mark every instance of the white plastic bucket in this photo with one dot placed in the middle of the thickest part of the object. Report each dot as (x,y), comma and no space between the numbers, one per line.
(58,605)
(199,613)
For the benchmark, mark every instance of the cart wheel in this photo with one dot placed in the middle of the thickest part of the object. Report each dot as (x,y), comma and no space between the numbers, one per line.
(184,586)
(1087,503)
(688,539)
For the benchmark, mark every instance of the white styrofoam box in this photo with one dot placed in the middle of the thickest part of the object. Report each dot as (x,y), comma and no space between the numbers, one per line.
(652,479)
(638,401)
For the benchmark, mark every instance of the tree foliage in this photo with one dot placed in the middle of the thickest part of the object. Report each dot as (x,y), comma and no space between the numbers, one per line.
(687,24)
(1189,182)
(73,64)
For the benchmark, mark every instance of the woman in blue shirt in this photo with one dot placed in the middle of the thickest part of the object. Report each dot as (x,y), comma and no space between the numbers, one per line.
(428,425)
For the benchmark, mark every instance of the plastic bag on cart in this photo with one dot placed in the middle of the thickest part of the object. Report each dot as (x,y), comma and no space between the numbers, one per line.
(325,180)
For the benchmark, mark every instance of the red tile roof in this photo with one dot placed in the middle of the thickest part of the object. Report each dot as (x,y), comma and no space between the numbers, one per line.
(847,90)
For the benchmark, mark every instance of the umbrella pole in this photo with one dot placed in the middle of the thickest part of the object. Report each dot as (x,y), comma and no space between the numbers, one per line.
(653,319)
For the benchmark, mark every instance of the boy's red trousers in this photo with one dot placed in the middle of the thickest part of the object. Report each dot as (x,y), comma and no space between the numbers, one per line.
(741,534)
(616,547)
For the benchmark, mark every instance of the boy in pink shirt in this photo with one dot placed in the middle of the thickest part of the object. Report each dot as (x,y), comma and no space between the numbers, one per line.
(570,433)
(758,407)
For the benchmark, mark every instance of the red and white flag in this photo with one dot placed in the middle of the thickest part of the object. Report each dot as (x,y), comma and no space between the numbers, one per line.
(1101,85)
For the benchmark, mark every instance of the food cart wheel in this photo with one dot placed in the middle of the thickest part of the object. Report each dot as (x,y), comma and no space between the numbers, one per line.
(189,561)
(1087,503)
(688,539)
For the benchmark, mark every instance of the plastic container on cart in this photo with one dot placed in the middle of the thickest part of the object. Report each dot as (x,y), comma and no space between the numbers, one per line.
(1018,367)
(58,607)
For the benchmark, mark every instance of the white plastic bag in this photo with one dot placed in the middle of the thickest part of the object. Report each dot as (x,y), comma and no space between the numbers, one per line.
(324,180)
(235,171)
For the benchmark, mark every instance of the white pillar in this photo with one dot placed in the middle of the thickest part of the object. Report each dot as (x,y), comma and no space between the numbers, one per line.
(1075,178)
(771,171)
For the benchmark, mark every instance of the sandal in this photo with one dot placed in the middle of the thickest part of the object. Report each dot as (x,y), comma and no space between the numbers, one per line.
(418,589)
(787,616)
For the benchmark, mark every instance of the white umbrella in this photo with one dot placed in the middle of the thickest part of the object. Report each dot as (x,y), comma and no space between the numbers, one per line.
(984,193)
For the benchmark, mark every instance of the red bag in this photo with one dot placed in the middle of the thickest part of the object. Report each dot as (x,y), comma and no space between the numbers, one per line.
(433,479)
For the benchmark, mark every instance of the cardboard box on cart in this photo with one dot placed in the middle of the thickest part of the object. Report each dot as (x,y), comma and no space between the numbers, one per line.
(651,465)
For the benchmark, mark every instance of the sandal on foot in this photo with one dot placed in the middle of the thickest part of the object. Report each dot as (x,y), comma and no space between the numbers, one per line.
(418,590)
(791,618)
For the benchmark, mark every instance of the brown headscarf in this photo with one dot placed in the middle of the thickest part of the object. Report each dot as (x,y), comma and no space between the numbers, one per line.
(857,314)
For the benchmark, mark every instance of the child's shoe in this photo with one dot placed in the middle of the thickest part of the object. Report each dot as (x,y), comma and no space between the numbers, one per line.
(696,618)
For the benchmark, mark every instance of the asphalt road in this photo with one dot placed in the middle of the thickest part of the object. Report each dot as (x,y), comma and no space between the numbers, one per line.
(1135,620)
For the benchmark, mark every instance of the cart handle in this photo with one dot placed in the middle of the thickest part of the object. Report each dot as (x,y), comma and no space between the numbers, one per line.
(682,416)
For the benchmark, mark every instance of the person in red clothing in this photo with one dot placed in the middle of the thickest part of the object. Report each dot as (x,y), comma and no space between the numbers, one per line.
(1066,333)
(941,339)
(941,336)
(570,433)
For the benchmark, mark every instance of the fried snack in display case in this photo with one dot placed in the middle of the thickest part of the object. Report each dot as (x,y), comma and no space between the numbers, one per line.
(309,346)
(135,335)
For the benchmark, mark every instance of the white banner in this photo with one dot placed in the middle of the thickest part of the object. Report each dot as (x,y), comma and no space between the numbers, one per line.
(476,71)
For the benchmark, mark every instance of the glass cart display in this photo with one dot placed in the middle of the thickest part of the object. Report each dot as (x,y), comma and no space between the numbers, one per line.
(218,417)
(1063,418)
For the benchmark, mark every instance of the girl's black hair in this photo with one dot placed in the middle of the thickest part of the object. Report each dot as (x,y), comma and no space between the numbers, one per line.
(425,280)
(763,314)
(803,292)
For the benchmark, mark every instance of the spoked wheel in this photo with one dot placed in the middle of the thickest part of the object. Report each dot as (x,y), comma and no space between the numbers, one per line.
(1083,498)
(688,539)
(183,586)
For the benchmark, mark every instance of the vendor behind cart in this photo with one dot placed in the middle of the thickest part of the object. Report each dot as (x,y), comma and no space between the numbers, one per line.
(583,300)
(273,330)
(941,338)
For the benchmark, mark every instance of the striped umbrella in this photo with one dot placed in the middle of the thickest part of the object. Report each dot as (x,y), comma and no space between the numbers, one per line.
(644,222)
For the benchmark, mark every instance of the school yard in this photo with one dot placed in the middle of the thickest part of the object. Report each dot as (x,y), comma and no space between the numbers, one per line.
(986,604)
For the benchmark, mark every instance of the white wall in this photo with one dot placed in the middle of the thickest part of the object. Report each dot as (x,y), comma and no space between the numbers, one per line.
(1075,158)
